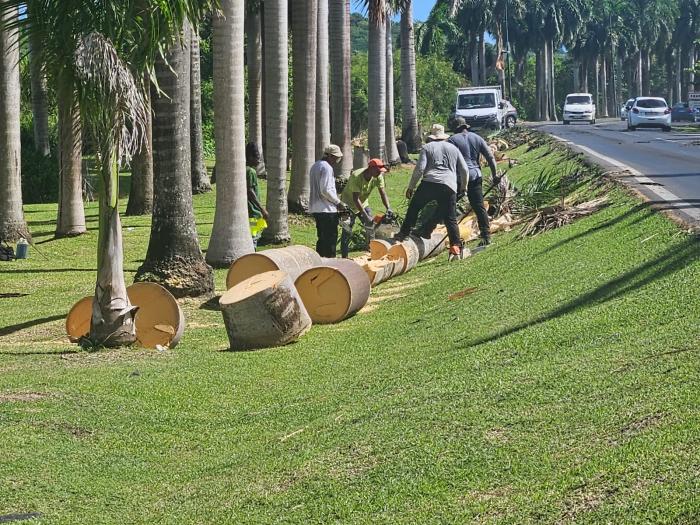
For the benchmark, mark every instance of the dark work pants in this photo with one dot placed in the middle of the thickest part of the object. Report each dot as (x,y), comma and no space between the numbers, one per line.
(327,232)
(345,236)
(475,194)
(446,210)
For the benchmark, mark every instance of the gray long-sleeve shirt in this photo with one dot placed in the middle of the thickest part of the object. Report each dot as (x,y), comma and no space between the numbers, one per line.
(441,162)
(472,146)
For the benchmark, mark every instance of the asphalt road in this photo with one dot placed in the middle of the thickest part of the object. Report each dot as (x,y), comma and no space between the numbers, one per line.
(664,166)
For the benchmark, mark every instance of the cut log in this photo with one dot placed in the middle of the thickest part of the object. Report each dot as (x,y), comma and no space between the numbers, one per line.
(294,260)
(159,319)
(381,270)
(333,292)
(430,247)
(406,251)
(263,311)
(378,248)
(78,319)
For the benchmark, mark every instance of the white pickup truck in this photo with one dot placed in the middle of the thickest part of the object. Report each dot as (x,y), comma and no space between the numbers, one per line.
(484,107)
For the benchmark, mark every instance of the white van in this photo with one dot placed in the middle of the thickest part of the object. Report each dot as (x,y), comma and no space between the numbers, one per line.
(579,107)
(481,107)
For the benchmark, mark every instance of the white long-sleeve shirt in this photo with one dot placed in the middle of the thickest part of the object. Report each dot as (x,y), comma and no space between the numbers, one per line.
(442,163)
(323,197)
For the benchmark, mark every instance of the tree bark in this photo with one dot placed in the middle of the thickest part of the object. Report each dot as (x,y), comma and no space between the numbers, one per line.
(40,104)
(482,58)
(410,132)
(174,258)
(276,85)
(230,238)
(255,70)
(323,123)
(678,72)
(304,116)
(552,92)
(646,80)
(141,191)
(392,151)
(638,74)
(376,85)
(577,75)
(473,59)
(294,260)
(200,177)
(604,86)
(12,223)
(71,212)
(596,76)
(339,35)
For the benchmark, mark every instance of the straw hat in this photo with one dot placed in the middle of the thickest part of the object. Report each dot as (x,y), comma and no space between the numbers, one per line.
(437,132)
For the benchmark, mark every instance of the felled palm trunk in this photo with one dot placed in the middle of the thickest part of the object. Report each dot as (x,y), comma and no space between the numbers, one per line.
(112,313)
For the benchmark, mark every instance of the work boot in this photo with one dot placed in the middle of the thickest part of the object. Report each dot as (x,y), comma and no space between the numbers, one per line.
(400,237)
(456,253)
(484,242)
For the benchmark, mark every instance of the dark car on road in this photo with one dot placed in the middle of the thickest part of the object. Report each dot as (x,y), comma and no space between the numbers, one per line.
(682,112)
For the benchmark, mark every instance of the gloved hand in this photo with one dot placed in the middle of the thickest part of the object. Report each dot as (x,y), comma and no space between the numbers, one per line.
(366,219)
(460,195)
(342,207)
(389,214)
(496,179)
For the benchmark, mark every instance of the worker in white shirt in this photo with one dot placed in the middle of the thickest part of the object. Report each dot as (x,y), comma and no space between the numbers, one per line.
(324,203)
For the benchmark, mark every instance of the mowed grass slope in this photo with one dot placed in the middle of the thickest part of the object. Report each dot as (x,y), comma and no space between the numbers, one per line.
(562,389)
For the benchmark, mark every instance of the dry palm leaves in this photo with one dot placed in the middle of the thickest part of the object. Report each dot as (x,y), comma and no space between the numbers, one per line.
(552,217)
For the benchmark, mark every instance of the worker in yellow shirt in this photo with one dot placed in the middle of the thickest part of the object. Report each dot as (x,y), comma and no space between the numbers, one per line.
(357,190)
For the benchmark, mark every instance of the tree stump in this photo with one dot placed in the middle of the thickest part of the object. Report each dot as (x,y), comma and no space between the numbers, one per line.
(294,260)
(405,251)
(263,311)
(333,292)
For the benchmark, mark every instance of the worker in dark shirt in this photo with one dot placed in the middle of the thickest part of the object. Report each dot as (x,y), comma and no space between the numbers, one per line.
(472,146)
(255,208)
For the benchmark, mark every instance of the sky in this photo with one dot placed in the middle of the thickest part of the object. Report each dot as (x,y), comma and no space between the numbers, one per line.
(421,8)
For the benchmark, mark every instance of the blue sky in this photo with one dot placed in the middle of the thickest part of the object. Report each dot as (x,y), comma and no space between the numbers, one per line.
(421,8)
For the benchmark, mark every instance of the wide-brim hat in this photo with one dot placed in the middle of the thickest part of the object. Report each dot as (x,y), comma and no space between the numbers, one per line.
(333,151)
(460,124)
(437,132)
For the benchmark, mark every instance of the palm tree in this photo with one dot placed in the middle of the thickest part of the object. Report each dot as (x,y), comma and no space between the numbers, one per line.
(410,132)
(200,177)
(339,28)
(276,85)
(304,34)
(12,223)
(392,151)
(323,123)
(231,234)
(253,33)
(376,81)
(141,189)
(40,103)
(174,258)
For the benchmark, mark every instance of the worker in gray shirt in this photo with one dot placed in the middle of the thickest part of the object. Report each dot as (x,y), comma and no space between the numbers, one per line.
(443,174)
(472,146)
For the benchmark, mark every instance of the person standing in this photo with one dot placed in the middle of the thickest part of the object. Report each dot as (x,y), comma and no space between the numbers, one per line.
(256,210)
(357,190)
(324,203)
(443,173)
(472,146)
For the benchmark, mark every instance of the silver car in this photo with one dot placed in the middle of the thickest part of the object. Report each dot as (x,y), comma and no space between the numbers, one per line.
(624,109)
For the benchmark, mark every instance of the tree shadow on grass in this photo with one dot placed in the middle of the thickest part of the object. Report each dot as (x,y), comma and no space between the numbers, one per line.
(8,330)
(672,260)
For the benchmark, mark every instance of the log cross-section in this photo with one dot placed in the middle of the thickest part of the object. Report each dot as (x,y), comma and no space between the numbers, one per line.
(292,259)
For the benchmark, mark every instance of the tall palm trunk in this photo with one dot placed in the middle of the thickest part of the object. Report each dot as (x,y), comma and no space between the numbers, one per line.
(376,85)
(71,212)
(40,104)
(341,134)
(12,223)
(596,76)
(141,191)
(254,58)
(304,118)
(473,58)
(200,177)
(604,86)
(638,74)
(323,123)
(276,85)
(646,78)
(230,236)
(482,57)
(552,106)
(691,68)
(174,258)
(678,79)
(410,132)
(392,152)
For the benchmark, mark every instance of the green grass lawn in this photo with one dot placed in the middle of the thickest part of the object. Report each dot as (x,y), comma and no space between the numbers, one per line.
(563,389)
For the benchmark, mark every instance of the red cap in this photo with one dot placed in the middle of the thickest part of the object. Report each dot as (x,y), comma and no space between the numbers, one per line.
(377,163)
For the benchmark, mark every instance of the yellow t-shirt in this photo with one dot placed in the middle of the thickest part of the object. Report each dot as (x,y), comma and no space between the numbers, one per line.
(358,184)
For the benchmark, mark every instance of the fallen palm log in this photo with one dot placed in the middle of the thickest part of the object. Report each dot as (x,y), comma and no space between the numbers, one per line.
(335,291)
(264,310)
(406,252)
(430,247)
(292,259)
(159,319)
(381,270)
(378,248)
